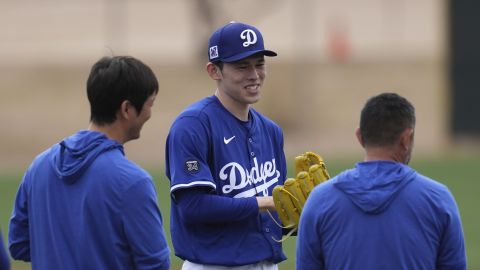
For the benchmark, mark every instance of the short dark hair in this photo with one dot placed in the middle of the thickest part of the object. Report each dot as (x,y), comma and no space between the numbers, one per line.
(384,117)
(113,80)
(219,64)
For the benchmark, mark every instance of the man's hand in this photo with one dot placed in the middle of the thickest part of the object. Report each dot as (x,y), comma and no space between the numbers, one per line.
(266,203)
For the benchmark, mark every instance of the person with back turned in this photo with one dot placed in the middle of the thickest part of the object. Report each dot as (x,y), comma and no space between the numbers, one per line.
(82,204)
(382,214)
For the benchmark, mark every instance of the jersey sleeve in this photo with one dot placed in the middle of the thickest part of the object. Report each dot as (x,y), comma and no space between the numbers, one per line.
(187,151)
(197,206)
(282,159)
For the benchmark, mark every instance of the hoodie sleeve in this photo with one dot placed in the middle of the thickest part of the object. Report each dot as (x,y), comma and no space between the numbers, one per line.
(18,232)
(309,246)
(451,254)
(143,227)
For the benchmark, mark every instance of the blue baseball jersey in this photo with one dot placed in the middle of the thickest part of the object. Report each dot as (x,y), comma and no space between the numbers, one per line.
(209,147)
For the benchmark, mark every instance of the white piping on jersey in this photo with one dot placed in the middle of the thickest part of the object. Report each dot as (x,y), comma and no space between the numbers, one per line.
(194,183)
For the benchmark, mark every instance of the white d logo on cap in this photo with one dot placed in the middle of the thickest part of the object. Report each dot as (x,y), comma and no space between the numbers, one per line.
(249,36)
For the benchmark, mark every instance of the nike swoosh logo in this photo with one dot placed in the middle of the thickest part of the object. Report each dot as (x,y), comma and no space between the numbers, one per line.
(227,141)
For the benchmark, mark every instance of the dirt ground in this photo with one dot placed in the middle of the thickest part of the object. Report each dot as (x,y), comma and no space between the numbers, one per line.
(317,105)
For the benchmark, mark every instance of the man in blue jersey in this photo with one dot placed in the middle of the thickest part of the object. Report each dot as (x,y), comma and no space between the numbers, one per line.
(382,214)
(223,159)
(82,204)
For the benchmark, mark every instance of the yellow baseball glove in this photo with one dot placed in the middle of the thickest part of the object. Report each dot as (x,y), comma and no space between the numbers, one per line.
(289,199)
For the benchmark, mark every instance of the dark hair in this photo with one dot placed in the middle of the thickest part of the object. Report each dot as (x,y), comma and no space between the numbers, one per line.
(219,64)
(384,118)
(113,80)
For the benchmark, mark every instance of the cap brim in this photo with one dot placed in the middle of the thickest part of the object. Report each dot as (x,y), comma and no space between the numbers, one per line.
(247,54)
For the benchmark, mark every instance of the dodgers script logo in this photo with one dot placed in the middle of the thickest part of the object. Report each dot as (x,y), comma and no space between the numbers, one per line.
(249,36)
(259,178)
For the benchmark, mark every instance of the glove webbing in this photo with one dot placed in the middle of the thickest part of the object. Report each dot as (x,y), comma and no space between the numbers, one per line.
(311,171)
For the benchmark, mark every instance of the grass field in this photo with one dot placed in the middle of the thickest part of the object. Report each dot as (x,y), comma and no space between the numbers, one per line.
(460,174)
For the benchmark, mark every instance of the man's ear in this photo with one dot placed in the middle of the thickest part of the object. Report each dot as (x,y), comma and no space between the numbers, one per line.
(406,138)
(125,109)
(359,137)
(214,71)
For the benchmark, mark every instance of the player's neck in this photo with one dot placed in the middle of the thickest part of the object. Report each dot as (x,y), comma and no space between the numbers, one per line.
(382,153)
(239,110)
(111,131)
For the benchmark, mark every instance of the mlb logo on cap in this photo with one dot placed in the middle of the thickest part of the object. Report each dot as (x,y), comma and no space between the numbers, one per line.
(236,41)
(213,52)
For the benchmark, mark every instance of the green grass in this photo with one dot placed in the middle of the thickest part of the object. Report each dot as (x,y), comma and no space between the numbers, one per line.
(460,174)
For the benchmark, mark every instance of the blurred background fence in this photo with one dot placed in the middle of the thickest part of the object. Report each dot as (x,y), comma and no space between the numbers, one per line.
(333,55)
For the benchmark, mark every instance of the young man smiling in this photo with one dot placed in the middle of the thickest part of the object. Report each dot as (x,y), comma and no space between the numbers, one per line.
(224,159)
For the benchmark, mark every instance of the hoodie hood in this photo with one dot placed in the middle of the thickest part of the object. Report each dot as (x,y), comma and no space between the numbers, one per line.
(373,185)
(72,156)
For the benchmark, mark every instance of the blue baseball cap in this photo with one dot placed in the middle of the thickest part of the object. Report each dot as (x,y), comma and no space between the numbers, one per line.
(236,41)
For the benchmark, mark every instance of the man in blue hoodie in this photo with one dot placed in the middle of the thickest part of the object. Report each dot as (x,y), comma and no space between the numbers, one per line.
(382,214)
(82,204)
